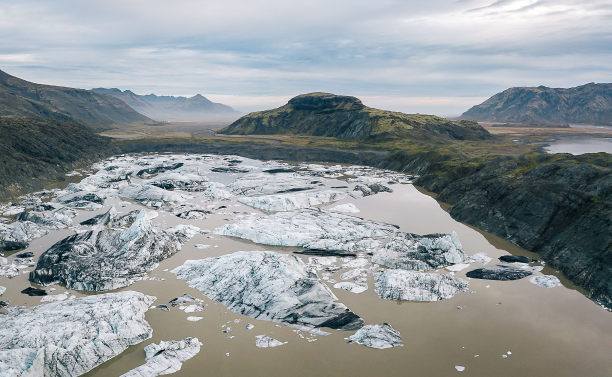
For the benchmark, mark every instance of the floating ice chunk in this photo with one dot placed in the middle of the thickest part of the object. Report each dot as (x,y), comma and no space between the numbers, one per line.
(457,267)
(351,287)
(352,274)
(193,308)
(101,260)
(312,229)
(166,357)
(459,368)
(153,196)
(72,337)
(17,235)
(2,290)
(267,285)
(292,201)
(417,286)
(481,258)
(377,336)
(545,281)
(263,183)
(501,272)
(52,298)
(55,219)
(194,318)
(357,262)
(249,326)
(201,246)
(421,253)
(264,341)
(346,208)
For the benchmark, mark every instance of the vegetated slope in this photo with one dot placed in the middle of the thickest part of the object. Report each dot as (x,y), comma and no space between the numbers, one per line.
(167,108)
(20,98)
(586,104)
(345,117)
(35,151)
(559,206)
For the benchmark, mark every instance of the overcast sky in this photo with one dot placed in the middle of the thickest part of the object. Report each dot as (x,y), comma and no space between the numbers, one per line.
(434,56)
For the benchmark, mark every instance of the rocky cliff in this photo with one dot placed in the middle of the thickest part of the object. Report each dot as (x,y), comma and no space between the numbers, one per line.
(586,104)
(345,117)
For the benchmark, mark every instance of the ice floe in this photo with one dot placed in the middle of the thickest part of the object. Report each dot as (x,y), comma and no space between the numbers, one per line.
(502,272)
(377,336)
(264,341)
(413,252)
(166,357)
(100,260)
(417,286)
(545,281)
(311,228)
(268,285)
(70,338)
(292,201)
(346,208)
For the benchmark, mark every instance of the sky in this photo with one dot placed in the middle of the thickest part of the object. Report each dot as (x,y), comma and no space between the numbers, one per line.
(434,56)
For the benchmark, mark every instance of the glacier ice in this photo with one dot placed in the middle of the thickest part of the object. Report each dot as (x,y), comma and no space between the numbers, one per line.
(292,201)
(71,337)
(545,281)
(377,336)
(264,341)
(268,285)
(100,260)
(166,357)
(414,252)
(417,286)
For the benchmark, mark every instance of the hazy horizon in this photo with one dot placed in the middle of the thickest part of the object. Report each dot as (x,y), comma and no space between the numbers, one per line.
(441,57)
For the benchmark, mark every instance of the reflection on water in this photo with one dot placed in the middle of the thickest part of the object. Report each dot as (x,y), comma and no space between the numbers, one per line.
(580,145)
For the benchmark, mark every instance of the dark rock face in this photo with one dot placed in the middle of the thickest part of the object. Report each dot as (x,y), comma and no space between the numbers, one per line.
(514,259)
(501,272)
(34,292)
(590,103)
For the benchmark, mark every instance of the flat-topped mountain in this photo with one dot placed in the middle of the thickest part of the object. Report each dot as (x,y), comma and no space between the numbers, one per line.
(20,98)
(586,104)
(167,108)
(345,117)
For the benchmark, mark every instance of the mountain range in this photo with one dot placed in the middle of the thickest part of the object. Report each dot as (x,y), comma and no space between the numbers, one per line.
(585,104)
(20,98)
(171,108)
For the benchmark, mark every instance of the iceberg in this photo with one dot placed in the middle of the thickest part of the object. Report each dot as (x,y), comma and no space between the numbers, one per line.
(166,357)
(417,286)
(377,336)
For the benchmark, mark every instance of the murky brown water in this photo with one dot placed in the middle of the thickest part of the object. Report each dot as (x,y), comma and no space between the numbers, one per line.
(550,332)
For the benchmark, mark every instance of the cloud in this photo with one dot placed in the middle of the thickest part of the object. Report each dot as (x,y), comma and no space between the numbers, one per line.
(275,49)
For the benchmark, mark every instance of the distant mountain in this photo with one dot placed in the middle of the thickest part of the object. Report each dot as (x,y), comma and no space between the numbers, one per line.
(345,117)
(20,98)
(586,104)
(167,108)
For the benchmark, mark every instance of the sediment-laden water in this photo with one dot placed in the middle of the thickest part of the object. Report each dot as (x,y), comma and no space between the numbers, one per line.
(479,327)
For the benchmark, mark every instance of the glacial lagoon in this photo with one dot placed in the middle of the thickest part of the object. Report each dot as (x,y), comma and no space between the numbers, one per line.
(222,265)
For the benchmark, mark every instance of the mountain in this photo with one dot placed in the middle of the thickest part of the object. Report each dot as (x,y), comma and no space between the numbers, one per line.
(345,117)
(167,108)
(38,151)
(586,104)
(20,98)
